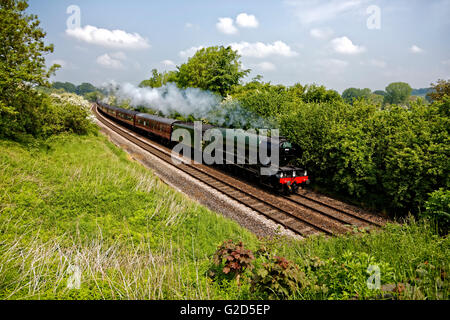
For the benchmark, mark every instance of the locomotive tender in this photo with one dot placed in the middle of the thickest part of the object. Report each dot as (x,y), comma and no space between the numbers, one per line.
(287,178)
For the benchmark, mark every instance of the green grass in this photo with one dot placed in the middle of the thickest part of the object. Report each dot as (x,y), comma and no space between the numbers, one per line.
(79,205)
(82,194)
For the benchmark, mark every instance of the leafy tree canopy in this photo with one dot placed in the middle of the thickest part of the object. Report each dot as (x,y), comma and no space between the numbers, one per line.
(421,91)
(351,94)
(380,92)
(67,86)
(376,98)
(159,79)
(397,93)
(22,67)
(439,90)
(217,69)
(94,96)
(84,88)
(319,94)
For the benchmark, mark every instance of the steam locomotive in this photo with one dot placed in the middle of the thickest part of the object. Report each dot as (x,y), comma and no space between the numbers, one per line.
(286,178)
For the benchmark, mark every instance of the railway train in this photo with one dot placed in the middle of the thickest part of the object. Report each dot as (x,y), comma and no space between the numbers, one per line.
(286,179)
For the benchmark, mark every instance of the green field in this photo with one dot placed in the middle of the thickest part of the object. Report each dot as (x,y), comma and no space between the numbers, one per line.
(78,206)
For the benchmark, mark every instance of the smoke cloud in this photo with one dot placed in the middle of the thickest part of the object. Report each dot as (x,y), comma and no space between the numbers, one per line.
(201,104)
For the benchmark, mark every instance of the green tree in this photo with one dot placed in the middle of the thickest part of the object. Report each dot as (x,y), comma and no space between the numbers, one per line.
(84,88)
(297,91)
(22,67)
(159,79)
(397,93)
(380,92)
(66,86)
(376,99)
(217,69)
(439,90)
(94,96)
(390,158)
(319,94)
(437,208)
(351,94)
(263,98)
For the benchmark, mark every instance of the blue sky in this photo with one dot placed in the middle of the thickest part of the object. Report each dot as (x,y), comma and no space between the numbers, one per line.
(340,44)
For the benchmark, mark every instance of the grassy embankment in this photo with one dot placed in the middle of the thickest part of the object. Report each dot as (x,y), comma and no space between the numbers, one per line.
(77,205)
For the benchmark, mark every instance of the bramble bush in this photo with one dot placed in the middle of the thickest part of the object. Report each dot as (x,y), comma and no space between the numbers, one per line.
(278,278)
(233,259)
(344,276)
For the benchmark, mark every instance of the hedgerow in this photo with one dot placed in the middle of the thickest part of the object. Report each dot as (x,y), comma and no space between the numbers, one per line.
(389,158)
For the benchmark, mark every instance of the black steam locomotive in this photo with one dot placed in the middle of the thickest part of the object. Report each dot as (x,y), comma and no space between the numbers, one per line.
(286,178)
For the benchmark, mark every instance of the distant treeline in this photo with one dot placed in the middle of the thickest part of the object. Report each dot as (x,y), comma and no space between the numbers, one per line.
(87,90)
(421,92)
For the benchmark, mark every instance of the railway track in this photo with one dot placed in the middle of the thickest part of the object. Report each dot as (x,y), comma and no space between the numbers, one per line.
(345,216)
(301,214)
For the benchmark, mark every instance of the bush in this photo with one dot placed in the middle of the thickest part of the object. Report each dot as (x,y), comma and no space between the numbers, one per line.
(437,209)
(386,158)
(66,113)
(390,159)
(233,259)
(278,279)
(346,276)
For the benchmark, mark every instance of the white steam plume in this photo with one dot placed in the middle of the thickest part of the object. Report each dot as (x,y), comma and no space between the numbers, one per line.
(169,99)
(166,99)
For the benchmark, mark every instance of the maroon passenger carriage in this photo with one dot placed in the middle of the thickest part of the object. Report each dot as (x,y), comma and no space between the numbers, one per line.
(288,178)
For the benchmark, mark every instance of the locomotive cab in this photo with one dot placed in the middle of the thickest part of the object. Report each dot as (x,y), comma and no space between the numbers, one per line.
(287,152)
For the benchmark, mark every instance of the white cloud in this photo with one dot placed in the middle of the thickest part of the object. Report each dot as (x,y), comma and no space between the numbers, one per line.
(226,25)
(416,49)
(312,11)
(345,46)
(266,66)
(262,50)
(446,62)
(321,33)
(247,21)
(109,38)
(108,62)
(189,52)
(253,50)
